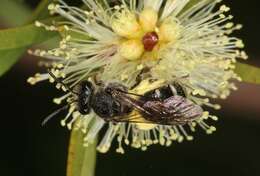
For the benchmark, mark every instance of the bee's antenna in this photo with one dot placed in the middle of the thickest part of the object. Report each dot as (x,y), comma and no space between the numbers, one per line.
(58,80)
(49,117)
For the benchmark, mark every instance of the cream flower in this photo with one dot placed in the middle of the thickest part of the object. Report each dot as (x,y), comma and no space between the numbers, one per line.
(151,39)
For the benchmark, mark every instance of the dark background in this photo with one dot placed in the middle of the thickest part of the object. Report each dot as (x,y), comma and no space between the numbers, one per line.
(28,149)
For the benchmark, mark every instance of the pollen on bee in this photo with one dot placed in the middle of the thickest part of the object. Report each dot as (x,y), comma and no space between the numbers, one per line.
(145,126)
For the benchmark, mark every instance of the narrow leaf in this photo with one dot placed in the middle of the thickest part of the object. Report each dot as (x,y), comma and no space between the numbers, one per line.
(23,36)
(81,160)
(41,12)
(14,13)
(248,73)
(73,34)
(15,39)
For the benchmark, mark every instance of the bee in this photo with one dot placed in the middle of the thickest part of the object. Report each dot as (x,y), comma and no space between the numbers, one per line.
(166,105)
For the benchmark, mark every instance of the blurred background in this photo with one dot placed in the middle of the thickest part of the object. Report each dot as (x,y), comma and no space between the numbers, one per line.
(29,149)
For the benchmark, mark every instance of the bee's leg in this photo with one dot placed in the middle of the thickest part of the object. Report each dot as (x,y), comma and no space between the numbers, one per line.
(157,93)
(174,91)
(58,80)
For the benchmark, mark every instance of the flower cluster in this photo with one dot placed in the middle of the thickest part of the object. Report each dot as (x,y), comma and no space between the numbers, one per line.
(158,40)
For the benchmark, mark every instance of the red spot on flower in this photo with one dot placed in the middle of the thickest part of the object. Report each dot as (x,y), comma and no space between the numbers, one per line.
(150,40)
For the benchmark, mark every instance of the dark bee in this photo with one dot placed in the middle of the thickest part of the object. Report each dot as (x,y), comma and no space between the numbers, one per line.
(166,105)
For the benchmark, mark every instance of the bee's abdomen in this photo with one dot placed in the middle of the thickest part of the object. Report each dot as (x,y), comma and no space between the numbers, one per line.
(158,94)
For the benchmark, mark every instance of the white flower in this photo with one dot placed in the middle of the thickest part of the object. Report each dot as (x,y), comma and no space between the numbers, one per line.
(192,47)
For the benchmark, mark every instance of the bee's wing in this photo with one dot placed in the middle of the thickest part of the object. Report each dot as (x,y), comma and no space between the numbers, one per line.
(174,110)
(125,98)
(182,109)
(137,104)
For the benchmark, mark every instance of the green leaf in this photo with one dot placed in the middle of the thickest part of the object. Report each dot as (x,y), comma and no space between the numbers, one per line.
(8,58)
(17,40)
(14,42)
(24,36)
(41,12)
(81,160)
(73,34)
(13,12)
(248,73)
